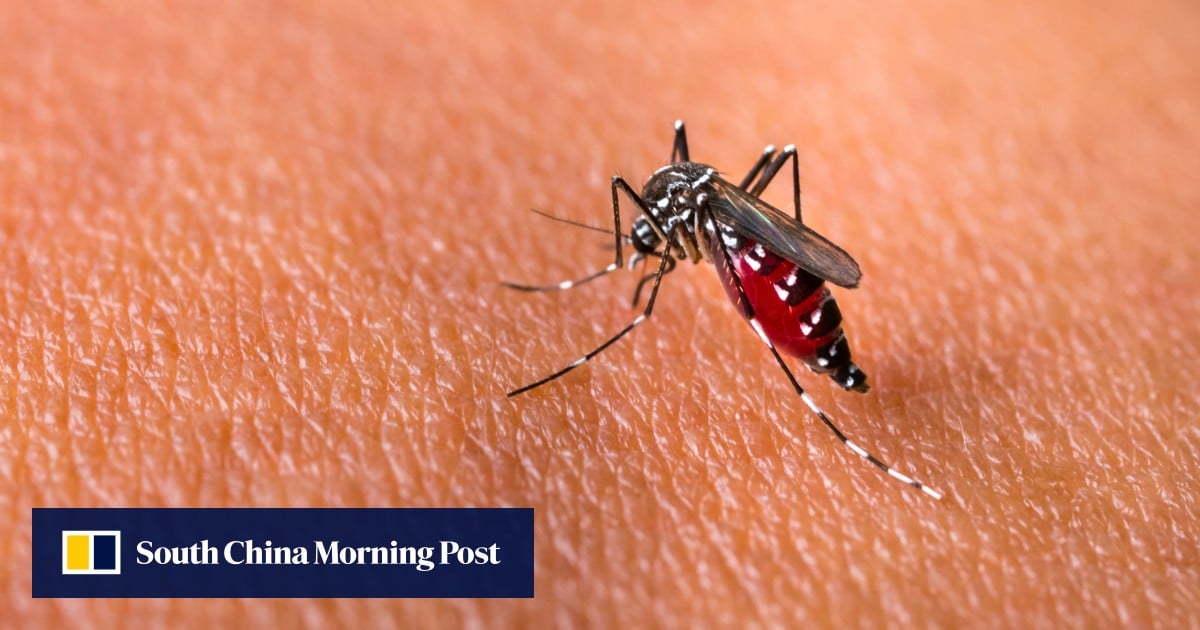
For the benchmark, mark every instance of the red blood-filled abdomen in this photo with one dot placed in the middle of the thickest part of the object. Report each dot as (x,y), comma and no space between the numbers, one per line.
(793,307)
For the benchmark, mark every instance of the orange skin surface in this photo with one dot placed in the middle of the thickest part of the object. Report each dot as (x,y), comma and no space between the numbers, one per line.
(250,255)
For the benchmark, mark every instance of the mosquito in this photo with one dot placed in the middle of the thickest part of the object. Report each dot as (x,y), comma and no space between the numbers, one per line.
(773,267)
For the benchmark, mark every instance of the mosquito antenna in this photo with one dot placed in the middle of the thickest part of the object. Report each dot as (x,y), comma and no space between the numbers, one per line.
(570,222)
(628,239)
(618,259)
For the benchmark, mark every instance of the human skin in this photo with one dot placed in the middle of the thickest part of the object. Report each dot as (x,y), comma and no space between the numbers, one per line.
(251,253)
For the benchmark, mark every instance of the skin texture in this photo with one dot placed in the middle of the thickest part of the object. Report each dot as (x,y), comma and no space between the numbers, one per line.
(250,255)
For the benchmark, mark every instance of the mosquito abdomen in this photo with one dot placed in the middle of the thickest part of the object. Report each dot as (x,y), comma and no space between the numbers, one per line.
(794,308)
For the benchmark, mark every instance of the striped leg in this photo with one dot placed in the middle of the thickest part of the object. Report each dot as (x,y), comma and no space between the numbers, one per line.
(662,265)
(788,152)
(858,450)
(637,293)
(679,152)
(763,160)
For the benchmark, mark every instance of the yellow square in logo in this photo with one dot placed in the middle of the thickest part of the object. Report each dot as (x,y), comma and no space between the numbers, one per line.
(79,552)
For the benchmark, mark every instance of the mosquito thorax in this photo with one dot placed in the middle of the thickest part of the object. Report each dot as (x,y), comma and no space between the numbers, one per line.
(676,190)
(673,195)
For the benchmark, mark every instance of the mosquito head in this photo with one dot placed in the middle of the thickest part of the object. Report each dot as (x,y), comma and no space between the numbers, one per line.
(643,237)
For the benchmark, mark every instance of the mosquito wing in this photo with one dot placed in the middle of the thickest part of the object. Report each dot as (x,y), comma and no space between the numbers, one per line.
(779,233)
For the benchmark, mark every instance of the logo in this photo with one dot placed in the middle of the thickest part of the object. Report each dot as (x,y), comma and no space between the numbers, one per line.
(91,552)
(282,552)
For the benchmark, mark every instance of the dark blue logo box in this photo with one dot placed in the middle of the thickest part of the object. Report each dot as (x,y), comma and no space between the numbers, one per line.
(283,552)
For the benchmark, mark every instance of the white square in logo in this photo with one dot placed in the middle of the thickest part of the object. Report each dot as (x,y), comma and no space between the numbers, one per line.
(91,552)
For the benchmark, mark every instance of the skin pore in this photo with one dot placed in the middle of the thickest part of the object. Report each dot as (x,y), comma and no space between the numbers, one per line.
(251,257)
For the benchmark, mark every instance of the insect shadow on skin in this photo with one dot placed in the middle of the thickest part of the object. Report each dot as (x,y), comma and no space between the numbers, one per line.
(773,267)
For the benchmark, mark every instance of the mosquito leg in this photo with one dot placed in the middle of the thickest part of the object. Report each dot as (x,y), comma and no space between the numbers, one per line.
(679,153)
(858,450)
(769,174)
(637,294)
(561,286)
(662,265)
(763,160)
(618,183)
